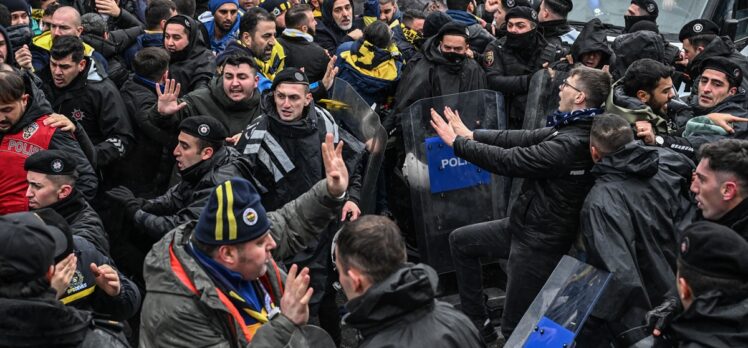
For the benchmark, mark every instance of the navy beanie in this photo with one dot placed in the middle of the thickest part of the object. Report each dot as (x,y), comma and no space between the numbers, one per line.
(233,215)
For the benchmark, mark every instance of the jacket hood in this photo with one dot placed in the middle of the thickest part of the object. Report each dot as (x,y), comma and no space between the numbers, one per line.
(433,54)
(713,320)
(627,102)
(10,57)
(41,321)
(196,44)
(151,39)
(462,17)
(327,17)
(592,38)
(632,159)
(410,289)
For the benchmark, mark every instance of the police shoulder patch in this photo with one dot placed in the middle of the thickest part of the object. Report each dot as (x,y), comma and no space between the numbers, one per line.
(488,59)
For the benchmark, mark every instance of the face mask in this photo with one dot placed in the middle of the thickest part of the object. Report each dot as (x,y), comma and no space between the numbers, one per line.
(411,35)
(629,21)
(520,40)
(454,57)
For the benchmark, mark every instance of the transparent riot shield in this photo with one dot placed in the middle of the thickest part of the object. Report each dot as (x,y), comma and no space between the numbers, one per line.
(448,192)
(354,115)
(560,309)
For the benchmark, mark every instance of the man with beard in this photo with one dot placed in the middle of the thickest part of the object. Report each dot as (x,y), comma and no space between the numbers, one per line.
(224,26)
(256,40)
(511,61)
(192,63)
(278,9)
(640,10)
(232,98)
(461,11)
(338,24)
(297,41)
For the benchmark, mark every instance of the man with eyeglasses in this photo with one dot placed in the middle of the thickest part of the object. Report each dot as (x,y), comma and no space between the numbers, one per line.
(543,222)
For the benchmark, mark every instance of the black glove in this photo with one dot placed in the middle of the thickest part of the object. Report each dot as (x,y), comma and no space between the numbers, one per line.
(660,316)
(124,197)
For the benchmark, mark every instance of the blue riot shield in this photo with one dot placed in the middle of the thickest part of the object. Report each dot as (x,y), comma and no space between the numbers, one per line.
(559,311)
(448,192)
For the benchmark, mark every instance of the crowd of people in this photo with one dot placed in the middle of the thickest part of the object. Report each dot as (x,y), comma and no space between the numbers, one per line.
(176,175)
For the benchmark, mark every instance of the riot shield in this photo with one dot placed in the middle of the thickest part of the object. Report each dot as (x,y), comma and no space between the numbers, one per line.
(354,115)
(560,309)
(448,192)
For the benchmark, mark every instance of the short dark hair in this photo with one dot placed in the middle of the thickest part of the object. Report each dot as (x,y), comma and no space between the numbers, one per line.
(67,45)
(157,11)
(60,180)
(558,8)
(384,2)
(239,59)
(252,17)
(94,24)
(185,7)
(372,244)
(728,156)
(203,144)
(50,10)
(12,87)
(296,17)
(595,83)
(644,75)
(610,133)
(378,34)
(410,15)
(701,40)
(151,62)
(700,283)
(460,5)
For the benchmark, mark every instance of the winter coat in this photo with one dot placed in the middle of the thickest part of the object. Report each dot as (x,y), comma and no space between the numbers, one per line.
(94,101)
(373,72)
(406,47)
(286,157)
(628,231)
(592,38)
(83,293)
(42,44)
(43,321)
(36,108)
(194,66)
(555,163)
(631,47)
(184,307)
(302,53)
(118,42)
(146,169)
(719,47)
(184,201)
(715,320)
(402,311)
(83,220)
(329,35)
(146,39)
(509,71)
(430,75)
(218,45)
(211,101)
(732,105)
(737,219)
(560,34)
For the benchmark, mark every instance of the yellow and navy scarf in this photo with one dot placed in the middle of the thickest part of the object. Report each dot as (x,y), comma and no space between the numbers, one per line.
(373,61)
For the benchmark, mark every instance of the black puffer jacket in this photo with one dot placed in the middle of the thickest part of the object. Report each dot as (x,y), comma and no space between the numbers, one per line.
(194,66)
(616,226)
(715,320)
(509,71)
(93,100)
(555,163)
(83,220)
(737,219)
(429,75)
(43,321)
(184,201)
(401,311)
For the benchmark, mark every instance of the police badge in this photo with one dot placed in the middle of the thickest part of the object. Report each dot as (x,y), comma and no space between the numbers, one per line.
(30,130)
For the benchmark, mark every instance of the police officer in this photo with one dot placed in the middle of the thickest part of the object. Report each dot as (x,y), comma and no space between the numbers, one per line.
(511,61)
(51,177)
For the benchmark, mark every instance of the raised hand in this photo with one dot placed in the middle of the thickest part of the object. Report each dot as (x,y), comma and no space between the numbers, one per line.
(330,73)
(168,101)
(453,117)
(64,271)
(442,128)
(295,300)
(107,279)
(336,173)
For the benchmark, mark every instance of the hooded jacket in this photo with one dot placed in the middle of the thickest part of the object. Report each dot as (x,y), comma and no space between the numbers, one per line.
(478,37)
(94,101)
(146,39)
(194,66)
(616,226)
(430,74)
(16,177)
(593,38)
(214,102)
(402,311)
(372,71)
(43,321)
(10,57)
(330,36)
(184,307)
(714,319)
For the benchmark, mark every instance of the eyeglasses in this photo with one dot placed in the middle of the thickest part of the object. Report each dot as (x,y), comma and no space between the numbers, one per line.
(566,83)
